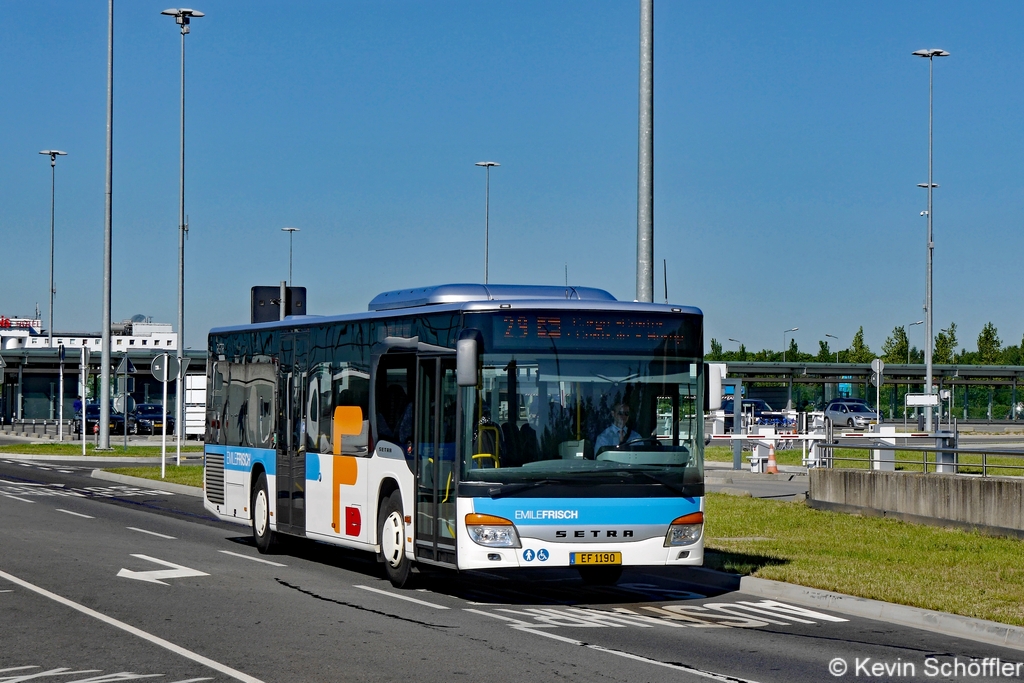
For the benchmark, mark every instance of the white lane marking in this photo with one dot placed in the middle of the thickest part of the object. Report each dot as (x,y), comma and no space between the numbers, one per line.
(254,559)
(5,591)
(167,645)
(402,597)
(19,668)
(26,483)
(725,678)
(194,680)
(76,514)
(534,629)
(65,471)
(61,671)
(151,533)
(23,500)
(176,571)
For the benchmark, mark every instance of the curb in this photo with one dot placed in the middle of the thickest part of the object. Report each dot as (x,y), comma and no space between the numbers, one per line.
(980,630)
(180,489)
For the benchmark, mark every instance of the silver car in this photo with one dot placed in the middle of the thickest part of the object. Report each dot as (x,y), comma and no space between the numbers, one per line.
(856,415)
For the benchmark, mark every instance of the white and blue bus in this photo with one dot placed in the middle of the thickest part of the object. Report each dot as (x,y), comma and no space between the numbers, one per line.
(467,426)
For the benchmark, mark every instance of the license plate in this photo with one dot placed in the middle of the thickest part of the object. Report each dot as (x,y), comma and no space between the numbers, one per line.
(595,558)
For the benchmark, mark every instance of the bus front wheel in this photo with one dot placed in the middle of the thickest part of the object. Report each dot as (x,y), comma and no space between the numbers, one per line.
(391,532)
(260,506)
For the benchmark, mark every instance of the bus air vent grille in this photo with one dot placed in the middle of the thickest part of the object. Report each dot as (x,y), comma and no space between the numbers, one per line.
(215,478)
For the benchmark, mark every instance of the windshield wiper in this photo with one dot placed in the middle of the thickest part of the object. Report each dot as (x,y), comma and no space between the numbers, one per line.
(509,489)
(648,475)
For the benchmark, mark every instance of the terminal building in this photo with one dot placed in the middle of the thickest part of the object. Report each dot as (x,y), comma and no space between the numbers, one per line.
(31,375)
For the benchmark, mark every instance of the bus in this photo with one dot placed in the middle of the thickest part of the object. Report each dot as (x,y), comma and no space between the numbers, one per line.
(469,427)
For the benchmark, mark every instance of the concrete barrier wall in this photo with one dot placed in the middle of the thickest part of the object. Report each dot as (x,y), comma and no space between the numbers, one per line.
(993,505)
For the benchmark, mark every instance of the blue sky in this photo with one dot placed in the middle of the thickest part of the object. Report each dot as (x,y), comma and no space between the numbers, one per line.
(789,138)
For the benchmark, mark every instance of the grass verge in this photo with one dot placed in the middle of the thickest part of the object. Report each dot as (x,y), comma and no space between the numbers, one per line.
(189,475)
(116,449)
(882,559)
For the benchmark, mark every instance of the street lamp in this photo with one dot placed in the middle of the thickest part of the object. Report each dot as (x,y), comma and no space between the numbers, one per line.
(487,210)
(832,336)
(53,154)
(291,232)
(908,339)
(784,333)
(738,343)
(182,17)
(930,55)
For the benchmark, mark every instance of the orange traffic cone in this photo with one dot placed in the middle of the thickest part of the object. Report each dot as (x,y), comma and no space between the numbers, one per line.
(773,467)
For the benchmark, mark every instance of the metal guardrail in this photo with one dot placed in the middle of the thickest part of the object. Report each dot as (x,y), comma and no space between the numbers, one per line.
(38,426)
(827,458)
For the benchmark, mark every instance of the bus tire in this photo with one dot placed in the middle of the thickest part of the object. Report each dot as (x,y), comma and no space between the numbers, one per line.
(260,506)
(391,532)
(600,576)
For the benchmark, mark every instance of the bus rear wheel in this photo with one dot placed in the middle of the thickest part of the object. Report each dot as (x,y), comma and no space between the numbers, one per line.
(391,532)
(260,506)
(600,576)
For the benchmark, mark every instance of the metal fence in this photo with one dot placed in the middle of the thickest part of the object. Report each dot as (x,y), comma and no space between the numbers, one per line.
(947,459)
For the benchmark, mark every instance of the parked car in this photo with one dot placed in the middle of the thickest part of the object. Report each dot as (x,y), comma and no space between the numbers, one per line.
(758,407)
(150,416)
(847,400)
(851,414)
(92,421)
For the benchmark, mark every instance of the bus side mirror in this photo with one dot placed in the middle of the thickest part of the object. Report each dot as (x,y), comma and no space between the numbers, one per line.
(712,387)
(466,362)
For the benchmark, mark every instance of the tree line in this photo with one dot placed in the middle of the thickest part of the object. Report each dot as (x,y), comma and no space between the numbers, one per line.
(896,349)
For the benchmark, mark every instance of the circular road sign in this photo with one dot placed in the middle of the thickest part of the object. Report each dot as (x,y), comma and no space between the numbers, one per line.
(123,403)
(165,367)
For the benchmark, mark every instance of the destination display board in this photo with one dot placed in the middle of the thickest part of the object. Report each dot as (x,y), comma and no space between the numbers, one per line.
(673,335)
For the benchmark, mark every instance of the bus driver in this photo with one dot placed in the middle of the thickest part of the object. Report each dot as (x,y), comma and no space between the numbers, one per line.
(619,432)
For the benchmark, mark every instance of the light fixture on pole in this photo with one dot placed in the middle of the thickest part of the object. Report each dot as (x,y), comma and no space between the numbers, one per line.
(487,211)
(53,154)
(736,341)
(182,17)
(919,322)
(832,336)
(929,54)
(784,333)
(291,232)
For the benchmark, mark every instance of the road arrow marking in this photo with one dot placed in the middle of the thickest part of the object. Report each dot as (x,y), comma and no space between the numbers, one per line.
(176,572)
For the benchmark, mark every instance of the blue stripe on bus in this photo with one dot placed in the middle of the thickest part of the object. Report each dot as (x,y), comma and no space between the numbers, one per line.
(562,511)
(242,459)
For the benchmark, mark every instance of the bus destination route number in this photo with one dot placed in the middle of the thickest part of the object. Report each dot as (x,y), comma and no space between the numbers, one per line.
(595,558)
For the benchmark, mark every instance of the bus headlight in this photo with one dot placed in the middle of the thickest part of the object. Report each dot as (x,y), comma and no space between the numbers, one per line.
(491,531)
(685,530)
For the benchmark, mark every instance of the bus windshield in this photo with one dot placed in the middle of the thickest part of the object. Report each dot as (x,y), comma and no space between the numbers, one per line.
(584,419)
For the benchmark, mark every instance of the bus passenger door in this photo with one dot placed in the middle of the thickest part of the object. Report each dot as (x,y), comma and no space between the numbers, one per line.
(436,395)
(291,447)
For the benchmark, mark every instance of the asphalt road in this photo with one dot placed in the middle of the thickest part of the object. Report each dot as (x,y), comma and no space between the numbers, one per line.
(102,582)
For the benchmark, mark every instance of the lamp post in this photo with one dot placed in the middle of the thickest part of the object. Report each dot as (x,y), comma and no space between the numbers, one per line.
(487,210)
(832,336)
(103,442)
(53,154)
(182,17)
(929,54)
(784,333)
(291,232)
(919,322)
